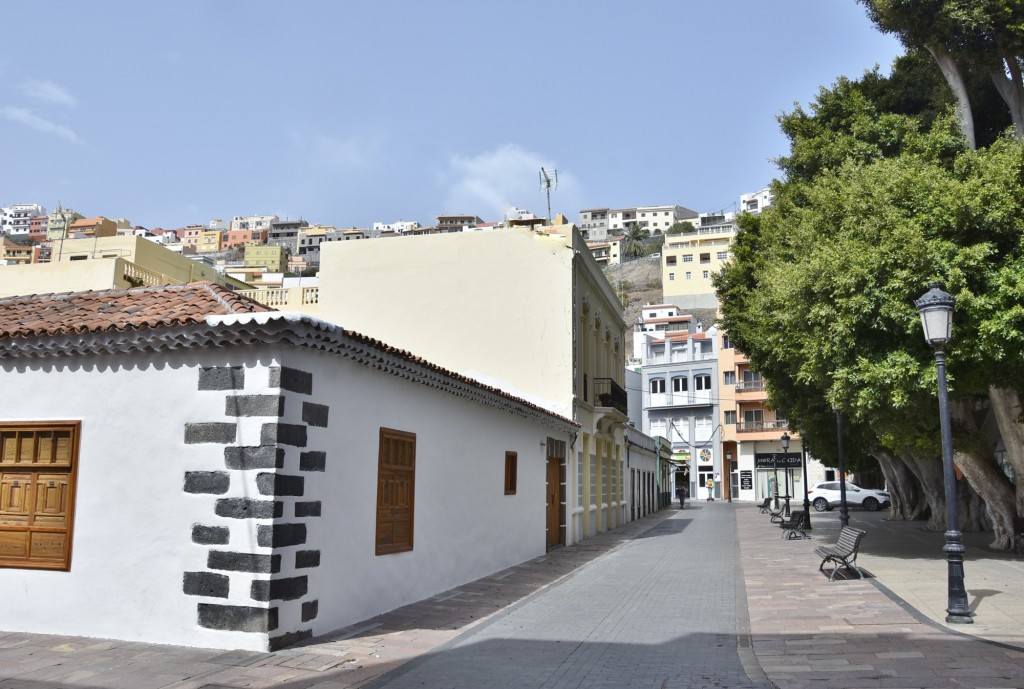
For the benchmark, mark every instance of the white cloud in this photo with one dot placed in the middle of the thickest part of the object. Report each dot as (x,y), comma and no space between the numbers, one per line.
(491,183)
(30,119)
(49,92)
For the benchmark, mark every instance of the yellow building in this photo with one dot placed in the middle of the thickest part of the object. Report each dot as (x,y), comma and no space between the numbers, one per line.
(106,263)
(92,227)
(14,253)
(273,259)
(690,259)
(526,311)
(59,221)
(208,241)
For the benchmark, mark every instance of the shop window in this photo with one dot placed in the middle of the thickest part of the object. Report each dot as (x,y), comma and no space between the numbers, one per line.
(37,486)
(396,490)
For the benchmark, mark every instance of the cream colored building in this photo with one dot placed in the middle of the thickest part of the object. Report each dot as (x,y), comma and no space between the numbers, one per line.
(106,263)
(689,260)
(273,259)
(526,311)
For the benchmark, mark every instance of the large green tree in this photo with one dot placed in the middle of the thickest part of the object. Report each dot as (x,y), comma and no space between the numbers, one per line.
(882,195)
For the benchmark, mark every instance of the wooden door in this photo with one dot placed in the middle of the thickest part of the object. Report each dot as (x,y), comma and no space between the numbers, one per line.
(554,484)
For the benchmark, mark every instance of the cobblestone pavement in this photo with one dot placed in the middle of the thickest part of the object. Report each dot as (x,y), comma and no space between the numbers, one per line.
(851,633)
(658,602)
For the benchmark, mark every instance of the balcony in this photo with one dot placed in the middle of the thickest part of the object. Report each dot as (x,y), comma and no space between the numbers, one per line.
(761,426)
(692,398)
(750,386)
(678,357)
(608,393)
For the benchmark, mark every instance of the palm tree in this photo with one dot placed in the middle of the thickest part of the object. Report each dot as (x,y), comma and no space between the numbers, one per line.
(634,242)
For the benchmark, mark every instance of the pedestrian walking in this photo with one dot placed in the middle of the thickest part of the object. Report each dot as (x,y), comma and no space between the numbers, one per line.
(681,493)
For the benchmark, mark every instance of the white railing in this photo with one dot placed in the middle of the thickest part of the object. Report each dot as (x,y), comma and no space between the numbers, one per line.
(285,299)
(677,399)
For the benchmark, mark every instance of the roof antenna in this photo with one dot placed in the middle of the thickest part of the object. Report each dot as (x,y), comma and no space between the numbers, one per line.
(548,181)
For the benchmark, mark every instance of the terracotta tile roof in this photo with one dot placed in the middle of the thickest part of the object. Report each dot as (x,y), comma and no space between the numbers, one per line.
(114,310)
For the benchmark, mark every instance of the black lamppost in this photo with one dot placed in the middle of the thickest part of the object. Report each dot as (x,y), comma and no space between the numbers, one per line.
(807,502)
(785,464)
(936,309)
(844,511)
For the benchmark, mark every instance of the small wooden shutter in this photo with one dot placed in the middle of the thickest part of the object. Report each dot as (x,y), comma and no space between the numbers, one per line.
(37,478)
(396,491)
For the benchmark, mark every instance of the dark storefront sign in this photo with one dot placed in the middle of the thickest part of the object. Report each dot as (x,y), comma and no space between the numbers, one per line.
(776,460)
(746,480)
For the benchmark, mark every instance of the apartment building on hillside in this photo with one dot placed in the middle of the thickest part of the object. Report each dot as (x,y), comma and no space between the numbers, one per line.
(690,259)
(15,219)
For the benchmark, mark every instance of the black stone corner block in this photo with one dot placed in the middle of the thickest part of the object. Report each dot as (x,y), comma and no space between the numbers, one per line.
(222,378)
(222,433)
(291,588)
(286,640)
(245,508)
(207,482)
(307,509)
(283,433)
(313,461)
(243,562)
(259,457)
(280,535)
(237,618)
(280,484)
(206,584)
(304,559)
(254,405)
(310,609)
(291,379)
(315,414)
(210,535)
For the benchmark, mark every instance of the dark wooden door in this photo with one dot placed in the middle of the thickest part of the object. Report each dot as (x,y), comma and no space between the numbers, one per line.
(554,503)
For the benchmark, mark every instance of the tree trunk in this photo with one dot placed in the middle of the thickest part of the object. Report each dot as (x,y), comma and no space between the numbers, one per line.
(928,473)
(907,501)
(1011,89)
(1006,409)
(992,487)
(951,72)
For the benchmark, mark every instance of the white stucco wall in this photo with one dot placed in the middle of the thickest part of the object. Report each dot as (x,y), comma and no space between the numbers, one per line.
(132,534)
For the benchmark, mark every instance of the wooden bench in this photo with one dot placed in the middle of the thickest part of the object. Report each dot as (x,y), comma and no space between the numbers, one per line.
(764,505)
(794,526)
(843,552)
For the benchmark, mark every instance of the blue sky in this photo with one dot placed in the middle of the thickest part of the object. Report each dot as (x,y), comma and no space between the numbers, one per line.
(347,113)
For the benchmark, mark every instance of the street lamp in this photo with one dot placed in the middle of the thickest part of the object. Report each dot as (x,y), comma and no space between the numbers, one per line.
(807,502)
(844,512)
(785,463)
(936,309)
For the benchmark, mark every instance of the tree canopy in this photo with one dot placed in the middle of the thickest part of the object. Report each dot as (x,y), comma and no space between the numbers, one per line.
(881,195)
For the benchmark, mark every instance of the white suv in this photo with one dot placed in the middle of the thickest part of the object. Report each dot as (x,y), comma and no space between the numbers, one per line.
(825,496)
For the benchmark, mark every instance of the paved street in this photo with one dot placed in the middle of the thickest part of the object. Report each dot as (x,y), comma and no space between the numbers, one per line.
(666,601)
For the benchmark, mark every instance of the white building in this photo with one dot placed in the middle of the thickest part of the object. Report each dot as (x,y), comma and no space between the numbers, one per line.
(756,201)
(679,366)
(249,222)
(596,224)
(400,227)
(232,477)
(14,219)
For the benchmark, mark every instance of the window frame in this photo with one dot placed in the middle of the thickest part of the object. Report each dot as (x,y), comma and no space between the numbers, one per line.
(31,500)
(511,471)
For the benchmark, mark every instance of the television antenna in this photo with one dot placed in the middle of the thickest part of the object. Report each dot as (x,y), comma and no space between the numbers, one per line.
(548,181)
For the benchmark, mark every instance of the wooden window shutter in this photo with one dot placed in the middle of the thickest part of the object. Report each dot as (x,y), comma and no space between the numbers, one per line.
(37,484)
(396,491)
(511,472)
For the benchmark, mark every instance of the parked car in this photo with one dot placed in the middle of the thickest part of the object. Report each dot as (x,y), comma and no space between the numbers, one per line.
(825,496)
